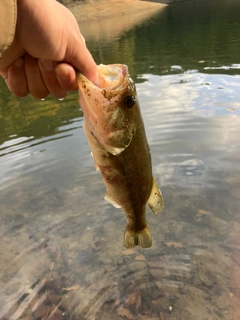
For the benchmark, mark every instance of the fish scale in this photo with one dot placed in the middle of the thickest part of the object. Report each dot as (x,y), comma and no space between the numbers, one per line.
(115,132)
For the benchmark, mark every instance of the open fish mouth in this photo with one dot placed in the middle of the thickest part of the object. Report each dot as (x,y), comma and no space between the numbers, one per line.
(110,77)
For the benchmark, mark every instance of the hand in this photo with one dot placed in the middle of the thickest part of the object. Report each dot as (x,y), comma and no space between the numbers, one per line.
(46,50)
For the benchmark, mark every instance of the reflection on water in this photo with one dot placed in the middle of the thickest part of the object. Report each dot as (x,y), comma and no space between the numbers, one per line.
(62,254)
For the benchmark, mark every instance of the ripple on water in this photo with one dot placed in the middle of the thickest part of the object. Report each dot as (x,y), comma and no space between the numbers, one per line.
(72,266)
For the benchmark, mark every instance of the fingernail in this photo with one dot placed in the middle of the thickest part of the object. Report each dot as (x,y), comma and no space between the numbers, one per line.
(47,65)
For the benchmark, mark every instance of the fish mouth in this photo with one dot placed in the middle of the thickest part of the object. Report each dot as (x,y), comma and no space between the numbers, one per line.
(110,77)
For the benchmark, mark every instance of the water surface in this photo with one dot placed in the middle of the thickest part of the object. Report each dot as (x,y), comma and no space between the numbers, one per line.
(62,253)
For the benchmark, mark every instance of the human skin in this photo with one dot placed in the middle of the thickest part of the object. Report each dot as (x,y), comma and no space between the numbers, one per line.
(47,49)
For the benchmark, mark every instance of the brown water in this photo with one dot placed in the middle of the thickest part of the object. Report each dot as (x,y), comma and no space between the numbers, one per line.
(62,253)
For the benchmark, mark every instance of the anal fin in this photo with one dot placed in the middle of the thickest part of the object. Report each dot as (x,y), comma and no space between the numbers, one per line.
(155,200)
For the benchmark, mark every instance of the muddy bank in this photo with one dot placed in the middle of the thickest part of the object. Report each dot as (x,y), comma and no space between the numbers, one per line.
(92,10)
(106,19)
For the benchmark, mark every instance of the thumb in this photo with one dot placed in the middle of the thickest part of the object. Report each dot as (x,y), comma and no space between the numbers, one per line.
(83,62)
(87,66)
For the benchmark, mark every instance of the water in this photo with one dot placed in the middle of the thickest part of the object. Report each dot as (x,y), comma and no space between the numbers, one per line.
(61,246)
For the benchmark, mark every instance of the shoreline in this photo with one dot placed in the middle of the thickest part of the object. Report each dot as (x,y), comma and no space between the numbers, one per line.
(102,9)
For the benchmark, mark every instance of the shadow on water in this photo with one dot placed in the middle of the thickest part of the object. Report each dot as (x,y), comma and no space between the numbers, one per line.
(62,254)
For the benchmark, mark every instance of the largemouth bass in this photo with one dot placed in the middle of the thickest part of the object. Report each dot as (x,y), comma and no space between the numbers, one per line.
(115,132)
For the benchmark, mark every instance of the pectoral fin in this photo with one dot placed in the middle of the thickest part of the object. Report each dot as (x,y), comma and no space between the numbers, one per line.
(155,200)
(110,200)
(96,165)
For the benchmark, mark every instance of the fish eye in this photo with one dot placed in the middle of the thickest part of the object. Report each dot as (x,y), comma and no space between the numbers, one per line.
(129,101)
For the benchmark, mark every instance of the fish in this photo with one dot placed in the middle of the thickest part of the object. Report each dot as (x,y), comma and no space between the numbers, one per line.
(116,135)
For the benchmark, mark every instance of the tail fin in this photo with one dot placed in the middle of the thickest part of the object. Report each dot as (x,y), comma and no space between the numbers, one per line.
(142,238)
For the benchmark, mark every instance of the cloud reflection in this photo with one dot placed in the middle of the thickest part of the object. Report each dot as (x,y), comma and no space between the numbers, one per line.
(188,114)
